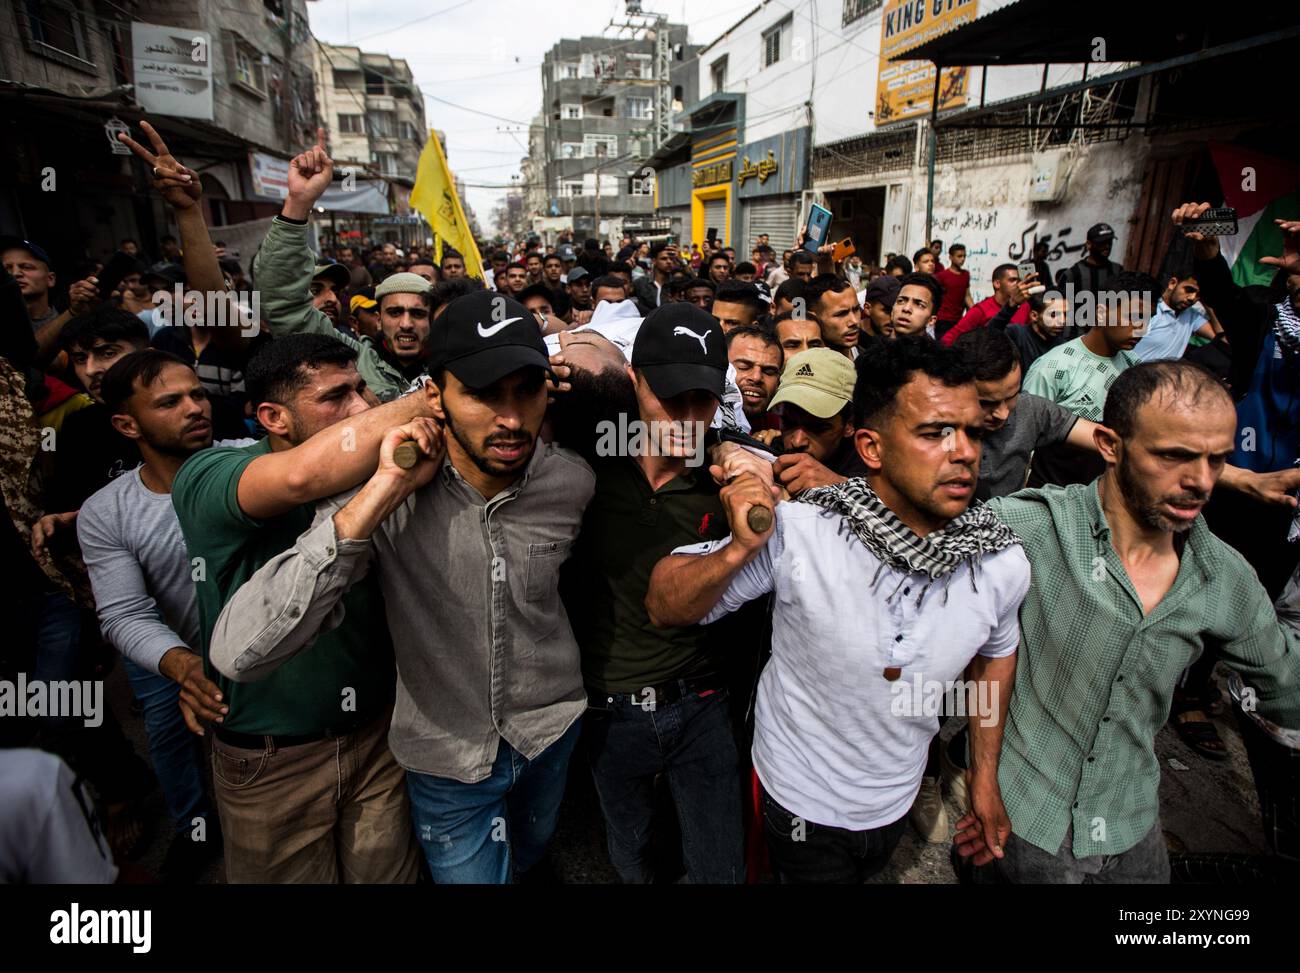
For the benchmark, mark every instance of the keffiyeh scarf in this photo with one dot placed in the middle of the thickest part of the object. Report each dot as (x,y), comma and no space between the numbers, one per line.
(965,539)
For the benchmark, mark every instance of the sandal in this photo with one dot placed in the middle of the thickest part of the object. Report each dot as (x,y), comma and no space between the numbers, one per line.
(1200,734)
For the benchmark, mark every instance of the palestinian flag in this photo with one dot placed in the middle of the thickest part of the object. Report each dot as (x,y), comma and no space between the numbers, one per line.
(1261,188)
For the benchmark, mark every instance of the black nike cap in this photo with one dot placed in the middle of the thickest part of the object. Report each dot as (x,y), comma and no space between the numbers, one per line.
(483,336)
(680,348)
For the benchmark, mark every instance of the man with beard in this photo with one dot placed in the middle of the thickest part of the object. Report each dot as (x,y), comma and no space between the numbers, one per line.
(284,263)
(1149,588)
(144,590)
(738,305)
(453,264)
(756,356)
(305,783)
(329,282)
(1178,316)
(796,334)
(838,750)
(467,549)
(1096,272)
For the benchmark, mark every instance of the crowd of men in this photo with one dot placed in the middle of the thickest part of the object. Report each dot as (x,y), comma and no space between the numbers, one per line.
(390,548)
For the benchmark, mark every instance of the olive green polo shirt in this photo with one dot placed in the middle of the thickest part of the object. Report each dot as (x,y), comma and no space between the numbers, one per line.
(626,530)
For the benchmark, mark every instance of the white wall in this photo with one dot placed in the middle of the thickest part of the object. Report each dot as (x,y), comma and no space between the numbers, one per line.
(986,207)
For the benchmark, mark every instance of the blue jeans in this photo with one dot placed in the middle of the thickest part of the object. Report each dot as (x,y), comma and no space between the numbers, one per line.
(472,834)
(177,753)
(690,742)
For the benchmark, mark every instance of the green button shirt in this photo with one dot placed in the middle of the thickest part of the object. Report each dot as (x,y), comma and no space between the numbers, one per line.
(1095,677)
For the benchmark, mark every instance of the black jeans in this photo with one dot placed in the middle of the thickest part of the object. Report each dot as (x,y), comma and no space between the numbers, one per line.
(807,853)
(689,742)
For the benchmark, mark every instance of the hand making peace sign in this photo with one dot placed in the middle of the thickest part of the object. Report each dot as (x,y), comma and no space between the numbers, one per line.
(181,187)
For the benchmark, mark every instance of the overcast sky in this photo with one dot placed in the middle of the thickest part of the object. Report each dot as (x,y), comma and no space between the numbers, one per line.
(486,55)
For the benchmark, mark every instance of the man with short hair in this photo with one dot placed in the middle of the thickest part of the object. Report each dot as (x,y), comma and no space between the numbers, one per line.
(485,722)
(608,288)
(919,296)
(498,263)
(537,298)
(90,453)
(1048,316)
(533,262)
(516,279)
(579,288)
(738,305)
(424,267)
(924,261)
(1151,589)
(650,288)
(833,304)
(304,780)
(698,291)
(453,264)
(1005,280)
(796,335)
(553,278)
(745,271)
(1078,373)
(898,266)
(142,579)
(787,294)
(1178,316)
(955,281)
(756,356)
(719,268)
(803,265)
(839,752)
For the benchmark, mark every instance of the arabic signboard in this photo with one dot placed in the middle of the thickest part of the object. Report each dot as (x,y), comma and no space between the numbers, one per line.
(270,175)
(173,70)
(774,166)
(904,88)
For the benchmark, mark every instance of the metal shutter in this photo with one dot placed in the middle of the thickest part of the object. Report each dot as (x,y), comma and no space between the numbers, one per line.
(775,217)
(715,215)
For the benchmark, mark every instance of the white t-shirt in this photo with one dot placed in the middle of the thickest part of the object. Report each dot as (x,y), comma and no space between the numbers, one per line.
(49,832)
(835,742)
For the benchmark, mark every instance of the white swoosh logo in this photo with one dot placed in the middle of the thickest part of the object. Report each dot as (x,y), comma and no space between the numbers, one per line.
(489,332)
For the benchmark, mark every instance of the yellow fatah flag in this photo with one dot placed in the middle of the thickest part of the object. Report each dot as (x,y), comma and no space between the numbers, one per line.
(435,197)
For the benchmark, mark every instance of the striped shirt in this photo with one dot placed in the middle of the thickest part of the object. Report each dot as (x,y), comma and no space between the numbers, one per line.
(1095,676)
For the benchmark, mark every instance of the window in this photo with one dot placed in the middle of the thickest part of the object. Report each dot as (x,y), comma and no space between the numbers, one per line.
(718,70)
(386,162)
(571,188)
(571,111)
(249,70)
(600,146)
(638,186)
(772,46)
(348,80)
(352,124)
(640,108)
(640,66)
(566,70)
(410,132)
(383,124)
(57,28)
(570,150)
(857,9)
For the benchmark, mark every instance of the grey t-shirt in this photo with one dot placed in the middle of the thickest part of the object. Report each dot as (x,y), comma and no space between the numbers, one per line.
(139,570)
(1004,460)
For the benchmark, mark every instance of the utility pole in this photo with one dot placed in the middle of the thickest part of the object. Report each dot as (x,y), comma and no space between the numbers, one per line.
(600,154)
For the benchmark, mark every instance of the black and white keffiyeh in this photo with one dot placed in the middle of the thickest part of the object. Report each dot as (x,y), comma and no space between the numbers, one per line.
(965,539)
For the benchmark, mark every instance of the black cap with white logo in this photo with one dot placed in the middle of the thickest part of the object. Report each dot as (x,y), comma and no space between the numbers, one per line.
(1100,233)
(484,336)
(680,348)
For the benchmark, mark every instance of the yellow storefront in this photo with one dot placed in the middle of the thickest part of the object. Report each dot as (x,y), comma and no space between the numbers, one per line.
(712,178)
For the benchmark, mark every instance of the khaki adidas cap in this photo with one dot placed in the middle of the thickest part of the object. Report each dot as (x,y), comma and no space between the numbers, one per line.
(819,381)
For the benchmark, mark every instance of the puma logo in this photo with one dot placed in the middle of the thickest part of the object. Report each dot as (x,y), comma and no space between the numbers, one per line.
(701,338)
(489,332)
